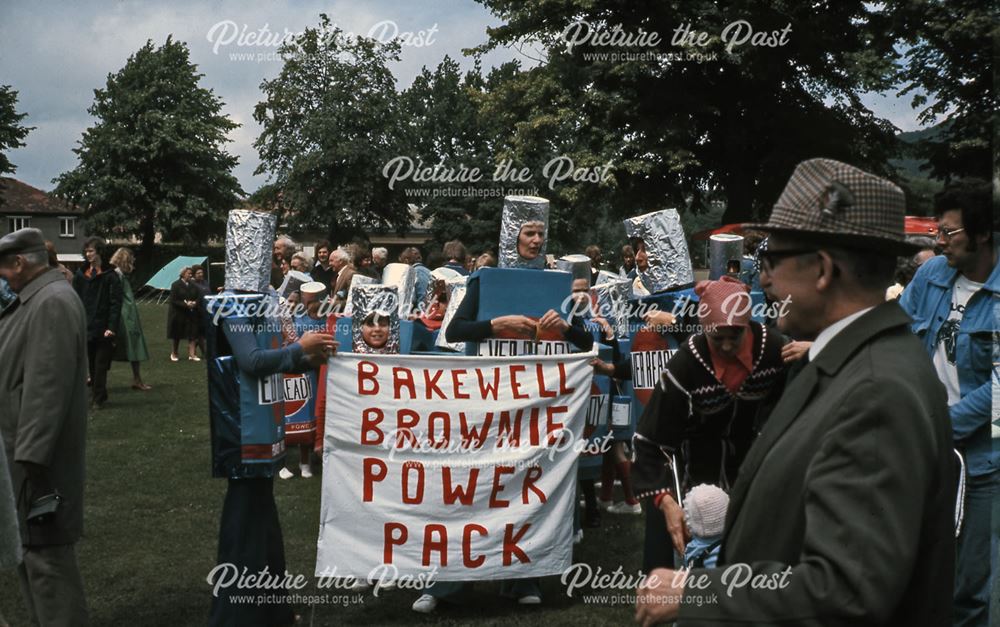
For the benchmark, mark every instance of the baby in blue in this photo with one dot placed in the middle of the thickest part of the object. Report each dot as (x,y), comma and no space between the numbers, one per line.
(705,515)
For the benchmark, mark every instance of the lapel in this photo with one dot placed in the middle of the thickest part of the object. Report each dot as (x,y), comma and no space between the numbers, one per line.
(795,397)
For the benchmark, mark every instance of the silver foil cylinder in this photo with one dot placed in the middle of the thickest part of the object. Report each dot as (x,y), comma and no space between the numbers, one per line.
(723,248)
(400,276)
(577,265)
(666,249)
(518,211)
(456,292)
(249,245)
(612,298)
(383,301)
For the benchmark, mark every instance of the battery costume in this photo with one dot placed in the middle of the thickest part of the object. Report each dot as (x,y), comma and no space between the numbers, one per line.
(245,367)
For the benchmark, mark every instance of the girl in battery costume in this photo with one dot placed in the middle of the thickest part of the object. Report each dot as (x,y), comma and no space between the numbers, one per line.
(523,230)
(247,444)
(705,412)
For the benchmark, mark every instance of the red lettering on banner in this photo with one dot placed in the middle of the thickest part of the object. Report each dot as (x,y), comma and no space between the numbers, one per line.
(440,545)
(432,384)
(534,474)
(453,492)
(533,434)
(370,419)
(515,385)
(472,436)
(445,418)
(563,389)
(507,434)
(403,377)
(551,426)
(510,548)
(366,372)
(498,472)
(408,468)
(540,371)
(467,559)
(486,389)
(370,476)
(393,534)
(406,420)
(457,384)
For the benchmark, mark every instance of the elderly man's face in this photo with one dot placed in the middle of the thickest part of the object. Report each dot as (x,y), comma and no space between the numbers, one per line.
(336,263)
(794,276)
(530,240)
(14,271)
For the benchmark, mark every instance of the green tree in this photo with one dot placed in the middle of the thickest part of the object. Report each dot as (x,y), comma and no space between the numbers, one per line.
(949,70)
(12,132)
(729,124)
(154,161)
(330,122)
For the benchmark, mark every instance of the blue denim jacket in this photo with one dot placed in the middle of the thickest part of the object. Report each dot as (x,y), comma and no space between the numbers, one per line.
(927,299)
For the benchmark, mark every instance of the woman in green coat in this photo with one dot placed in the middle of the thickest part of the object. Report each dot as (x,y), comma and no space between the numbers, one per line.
(131,343)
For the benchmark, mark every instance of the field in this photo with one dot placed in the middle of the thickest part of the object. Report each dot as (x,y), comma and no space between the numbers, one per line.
(152,514)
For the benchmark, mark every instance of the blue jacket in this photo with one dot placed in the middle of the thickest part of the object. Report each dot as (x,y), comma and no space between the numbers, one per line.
(927,299)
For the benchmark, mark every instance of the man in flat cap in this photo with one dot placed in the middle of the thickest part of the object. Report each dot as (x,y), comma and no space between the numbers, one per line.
(43,418)
(843,512)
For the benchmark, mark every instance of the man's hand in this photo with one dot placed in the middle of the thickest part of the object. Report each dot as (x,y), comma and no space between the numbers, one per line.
(794,351)
(518,325)
(317,346)
(602,367)
(552,322)
(674,516)
(659,599)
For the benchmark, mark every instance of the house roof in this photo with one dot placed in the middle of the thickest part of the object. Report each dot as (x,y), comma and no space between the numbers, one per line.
(21,198)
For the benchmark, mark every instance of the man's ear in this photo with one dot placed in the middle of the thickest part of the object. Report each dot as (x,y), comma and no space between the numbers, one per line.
(826,271)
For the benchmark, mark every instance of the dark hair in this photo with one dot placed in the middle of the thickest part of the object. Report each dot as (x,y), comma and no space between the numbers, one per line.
(323,244)
(627,251)
(455,250)
(435,259)
(974,198)
(95,242)
(53,257)
(410,255)
(592,250)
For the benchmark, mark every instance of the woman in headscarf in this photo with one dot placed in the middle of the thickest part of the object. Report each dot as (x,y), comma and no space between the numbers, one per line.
(708,407)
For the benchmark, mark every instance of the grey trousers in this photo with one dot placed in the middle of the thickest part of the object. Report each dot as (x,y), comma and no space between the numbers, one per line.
(53,590)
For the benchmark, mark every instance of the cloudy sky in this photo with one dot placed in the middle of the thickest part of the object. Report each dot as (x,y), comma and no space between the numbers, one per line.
(56,53)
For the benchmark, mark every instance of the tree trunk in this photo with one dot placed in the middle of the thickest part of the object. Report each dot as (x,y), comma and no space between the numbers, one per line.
(148,237)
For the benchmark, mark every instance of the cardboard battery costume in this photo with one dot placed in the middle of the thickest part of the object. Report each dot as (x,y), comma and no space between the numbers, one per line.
(301,389)
(515,287)
(246,402)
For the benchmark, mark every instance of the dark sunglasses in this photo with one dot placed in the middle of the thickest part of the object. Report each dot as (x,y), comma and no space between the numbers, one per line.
(770,258)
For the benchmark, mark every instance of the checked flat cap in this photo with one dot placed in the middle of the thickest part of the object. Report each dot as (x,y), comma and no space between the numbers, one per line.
(829,198)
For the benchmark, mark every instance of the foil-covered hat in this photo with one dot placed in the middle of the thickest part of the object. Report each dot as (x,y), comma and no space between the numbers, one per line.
(577,265)
(666,249)
(456,292)
(612,298)
(380,301)
(357,280)
(249,243)
(518,211)
(293,281)
(401,276)
(439,278)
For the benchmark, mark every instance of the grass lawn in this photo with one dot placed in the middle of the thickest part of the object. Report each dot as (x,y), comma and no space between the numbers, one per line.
(152,514)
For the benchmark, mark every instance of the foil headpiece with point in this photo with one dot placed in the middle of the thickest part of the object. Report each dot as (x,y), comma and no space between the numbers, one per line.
(666,249)
(381,301)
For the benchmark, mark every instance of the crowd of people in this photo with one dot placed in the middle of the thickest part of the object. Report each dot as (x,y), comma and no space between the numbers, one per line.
(842,448)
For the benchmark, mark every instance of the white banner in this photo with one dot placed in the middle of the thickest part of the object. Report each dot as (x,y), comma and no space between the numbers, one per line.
(459,467)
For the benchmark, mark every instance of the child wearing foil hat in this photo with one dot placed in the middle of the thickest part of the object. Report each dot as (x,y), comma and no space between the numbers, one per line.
(705,517)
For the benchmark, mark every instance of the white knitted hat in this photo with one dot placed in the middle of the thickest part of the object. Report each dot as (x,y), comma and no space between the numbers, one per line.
(705,510)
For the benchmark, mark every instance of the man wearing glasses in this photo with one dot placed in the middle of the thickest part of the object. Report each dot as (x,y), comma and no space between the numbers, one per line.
(953,302)
(843,510)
